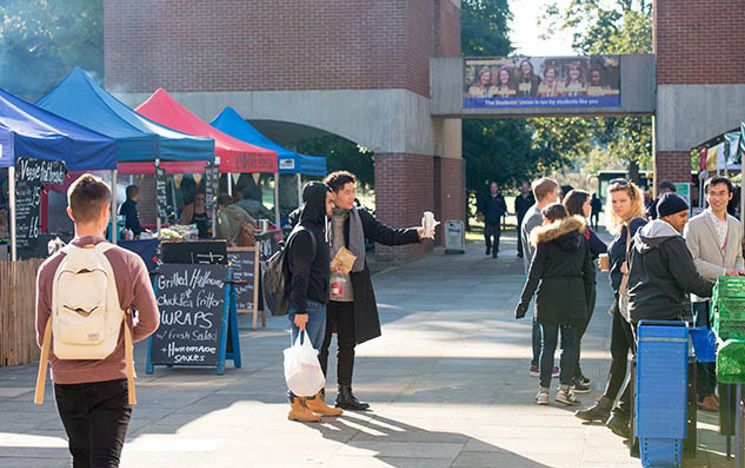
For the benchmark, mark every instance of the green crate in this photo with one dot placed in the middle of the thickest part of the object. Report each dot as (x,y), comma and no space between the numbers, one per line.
(731,362)
(727,329)
(730,286)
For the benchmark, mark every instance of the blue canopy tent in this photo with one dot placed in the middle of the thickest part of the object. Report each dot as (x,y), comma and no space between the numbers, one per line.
(290,162)
(31,132)
(142,143)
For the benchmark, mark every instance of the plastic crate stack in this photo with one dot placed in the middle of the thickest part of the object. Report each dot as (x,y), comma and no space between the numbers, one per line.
(662,393)
(728,322)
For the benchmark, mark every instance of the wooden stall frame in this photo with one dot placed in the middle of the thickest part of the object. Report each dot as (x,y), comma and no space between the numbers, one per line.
(257,269)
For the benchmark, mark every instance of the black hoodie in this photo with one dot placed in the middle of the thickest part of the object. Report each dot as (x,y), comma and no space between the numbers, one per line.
(309,274)
(662,274)
(562,273)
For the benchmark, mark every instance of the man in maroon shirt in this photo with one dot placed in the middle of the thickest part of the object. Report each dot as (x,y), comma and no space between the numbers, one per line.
(92,395)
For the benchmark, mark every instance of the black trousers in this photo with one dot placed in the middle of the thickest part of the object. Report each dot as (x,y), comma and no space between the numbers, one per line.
(96,416)
(620,343)
(706,378)
(492,230)
(624,402)
(339,319)
(519,236)
(583,328)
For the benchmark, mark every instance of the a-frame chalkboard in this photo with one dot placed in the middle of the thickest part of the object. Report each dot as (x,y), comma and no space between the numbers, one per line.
(198,318)
(244,263)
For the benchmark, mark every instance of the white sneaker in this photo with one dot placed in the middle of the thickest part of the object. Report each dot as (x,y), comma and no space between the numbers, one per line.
(566,396)
(542,397)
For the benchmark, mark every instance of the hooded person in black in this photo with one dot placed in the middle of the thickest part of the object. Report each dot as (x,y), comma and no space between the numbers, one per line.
(308,269)
(662,272)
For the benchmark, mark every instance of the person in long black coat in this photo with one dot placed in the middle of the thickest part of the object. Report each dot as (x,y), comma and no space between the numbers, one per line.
(353,312)
(563,275)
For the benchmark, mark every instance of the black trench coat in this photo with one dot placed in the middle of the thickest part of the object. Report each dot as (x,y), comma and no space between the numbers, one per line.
(366,318)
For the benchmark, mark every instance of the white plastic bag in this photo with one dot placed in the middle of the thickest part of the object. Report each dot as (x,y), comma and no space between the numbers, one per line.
(302,370)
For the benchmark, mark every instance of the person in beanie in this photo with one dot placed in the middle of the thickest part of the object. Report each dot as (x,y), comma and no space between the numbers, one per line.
(308,258)
(661,275)
(562,263)
(352,311)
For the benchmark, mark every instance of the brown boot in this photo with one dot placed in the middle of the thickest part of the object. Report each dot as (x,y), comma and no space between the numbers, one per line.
(299,411)
(318,406)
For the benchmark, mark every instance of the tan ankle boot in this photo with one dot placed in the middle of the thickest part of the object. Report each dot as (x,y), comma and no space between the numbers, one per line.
(299,411)
(318,406)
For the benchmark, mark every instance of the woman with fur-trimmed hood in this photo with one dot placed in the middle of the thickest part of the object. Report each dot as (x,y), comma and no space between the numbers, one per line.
(562,274)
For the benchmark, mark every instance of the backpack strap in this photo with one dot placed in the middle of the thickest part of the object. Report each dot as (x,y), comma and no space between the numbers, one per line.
(41,378)
(129,362)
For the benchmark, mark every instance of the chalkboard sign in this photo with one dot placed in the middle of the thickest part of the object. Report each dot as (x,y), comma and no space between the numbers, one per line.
(204,252)
(268,244)
(211,187)
(244,264)
(191,299)
(31,176)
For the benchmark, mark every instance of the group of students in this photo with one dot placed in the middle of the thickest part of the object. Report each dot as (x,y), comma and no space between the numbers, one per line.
(662,267)
(94,396)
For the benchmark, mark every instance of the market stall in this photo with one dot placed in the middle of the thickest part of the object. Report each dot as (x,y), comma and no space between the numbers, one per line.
(292,165)
(142,144)
(37,147)
(232,156)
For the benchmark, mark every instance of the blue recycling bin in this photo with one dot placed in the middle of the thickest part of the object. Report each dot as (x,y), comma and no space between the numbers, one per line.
(661,391)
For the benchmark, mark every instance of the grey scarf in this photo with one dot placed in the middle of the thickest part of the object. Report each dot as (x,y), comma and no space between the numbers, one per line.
(356,237)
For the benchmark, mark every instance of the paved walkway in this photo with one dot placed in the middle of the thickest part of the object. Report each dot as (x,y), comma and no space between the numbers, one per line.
(448,382)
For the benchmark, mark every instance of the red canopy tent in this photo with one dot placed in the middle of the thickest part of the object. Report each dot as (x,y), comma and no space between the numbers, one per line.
(235,155)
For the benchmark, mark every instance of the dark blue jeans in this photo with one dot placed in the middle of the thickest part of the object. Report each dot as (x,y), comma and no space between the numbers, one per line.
(569,345)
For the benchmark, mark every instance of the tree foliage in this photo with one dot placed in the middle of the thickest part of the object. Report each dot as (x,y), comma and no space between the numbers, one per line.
(614,27)
(484,26)
(342,154)
(42,40)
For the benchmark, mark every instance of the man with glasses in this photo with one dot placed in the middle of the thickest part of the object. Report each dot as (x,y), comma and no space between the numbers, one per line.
(715,241)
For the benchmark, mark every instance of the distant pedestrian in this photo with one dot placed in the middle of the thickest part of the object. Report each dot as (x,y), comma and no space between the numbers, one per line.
(493,208)
(577,203)
(352,311)
(523,202)
(233,223)
(308,256)
(665,186)
(562,275)
(545,191)
(596,206)
(714,239)
(94,394)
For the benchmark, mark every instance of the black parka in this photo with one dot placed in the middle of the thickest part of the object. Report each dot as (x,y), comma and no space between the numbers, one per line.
(366,319)
(662,274)
(561,272)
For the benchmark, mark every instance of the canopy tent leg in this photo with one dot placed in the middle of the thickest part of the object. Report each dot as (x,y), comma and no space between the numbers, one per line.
(157,213)
(276,200)
(299,190)
(114,224)
(12,201)
(230,183)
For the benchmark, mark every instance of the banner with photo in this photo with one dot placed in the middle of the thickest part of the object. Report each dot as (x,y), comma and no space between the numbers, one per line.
(516,82)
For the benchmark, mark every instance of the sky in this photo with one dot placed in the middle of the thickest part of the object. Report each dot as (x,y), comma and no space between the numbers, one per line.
(525,31)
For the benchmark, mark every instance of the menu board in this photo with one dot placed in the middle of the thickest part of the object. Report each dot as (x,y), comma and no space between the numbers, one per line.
(211,185)
(203,252)
(245,266)
(31,176)
(191,299)
(161,193)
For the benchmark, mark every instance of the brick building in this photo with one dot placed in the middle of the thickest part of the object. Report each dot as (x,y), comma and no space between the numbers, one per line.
(355,68)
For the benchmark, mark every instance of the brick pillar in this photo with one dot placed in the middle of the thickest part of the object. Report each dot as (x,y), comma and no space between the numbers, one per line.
(674,166)
(449,192)
(403,191)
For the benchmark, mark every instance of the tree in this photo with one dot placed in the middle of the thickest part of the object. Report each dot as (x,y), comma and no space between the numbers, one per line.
(42,40)
(484,28)
(615,27)
(342,154)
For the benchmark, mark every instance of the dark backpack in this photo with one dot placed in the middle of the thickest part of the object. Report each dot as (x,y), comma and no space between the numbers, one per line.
(276,277)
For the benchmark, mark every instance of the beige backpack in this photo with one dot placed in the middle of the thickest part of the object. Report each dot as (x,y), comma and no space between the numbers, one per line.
(86,317)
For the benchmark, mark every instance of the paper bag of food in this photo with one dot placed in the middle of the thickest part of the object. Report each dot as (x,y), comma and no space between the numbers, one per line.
(343,261)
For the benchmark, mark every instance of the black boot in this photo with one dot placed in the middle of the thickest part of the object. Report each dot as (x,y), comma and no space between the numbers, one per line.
(345,399)
(619,425)
(600,411)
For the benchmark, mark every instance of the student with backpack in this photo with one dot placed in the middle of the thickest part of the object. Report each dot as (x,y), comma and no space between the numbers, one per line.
(85,295)
(307,288)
